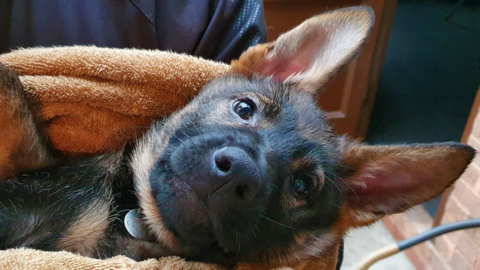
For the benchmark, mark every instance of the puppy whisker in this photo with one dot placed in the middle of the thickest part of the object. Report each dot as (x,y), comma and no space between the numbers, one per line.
(249,225)
(239,240)
(278,223)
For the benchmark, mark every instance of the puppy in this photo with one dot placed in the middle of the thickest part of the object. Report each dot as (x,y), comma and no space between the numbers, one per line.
(249,171)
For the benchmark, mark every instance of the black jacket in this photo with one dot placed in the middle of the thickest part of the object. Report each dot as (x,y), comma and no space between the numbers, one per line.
(214,29)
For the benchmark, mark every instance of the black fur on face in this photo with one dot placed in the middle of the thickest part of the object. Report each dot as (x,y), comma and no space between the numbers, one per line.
(281,187)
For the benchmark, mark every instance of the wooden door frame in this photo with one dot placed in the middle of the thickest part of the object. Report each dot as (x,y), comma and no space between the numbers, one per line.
(466,133)
(385,15)
(366,68)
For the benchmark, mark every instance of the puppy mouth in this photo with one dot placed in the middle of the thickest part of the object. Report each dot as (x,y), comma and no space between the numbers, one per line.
(201,223)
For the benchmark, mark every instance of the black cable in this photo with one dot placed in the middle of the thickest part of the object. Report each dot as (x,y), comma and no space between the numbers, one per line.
(408,243)
(466,224)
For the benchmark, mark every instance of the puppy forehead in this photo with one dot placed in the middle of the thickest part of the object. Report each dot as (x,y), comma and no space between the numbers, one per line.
(286,109)
(231,86)
(269,93)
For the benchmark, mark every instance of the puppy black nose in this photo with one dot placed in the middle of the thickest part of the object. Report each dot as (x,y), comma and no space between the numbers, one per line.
(237,168)
(223,159)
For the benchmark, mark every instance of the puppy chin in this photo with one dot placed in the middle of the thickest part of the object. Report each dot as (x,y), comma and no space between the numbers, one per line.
(202,232)
(184,213)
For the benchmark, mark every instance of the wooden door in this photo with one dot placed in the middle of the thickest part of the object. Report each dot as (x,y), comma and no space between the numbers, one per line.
(349,99)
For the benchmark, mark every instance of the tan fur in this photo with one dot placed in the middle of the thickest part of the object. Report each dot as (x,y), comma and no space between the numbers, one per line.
(145,157)
(148,150)
(250,58)
(86,232)
(88,229)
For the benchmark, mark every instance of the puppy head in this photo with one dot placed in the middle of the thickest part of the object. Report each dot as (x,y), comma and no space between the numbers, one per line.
(250,171)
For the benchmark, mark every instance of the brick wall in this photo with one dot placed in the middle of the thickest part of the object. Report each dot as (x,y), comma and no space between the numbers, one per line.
(454,251)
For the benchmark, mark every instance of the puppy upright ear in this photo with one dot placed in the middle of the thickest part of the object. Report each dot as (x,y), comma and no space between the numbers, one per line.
(313,52)
(391,179)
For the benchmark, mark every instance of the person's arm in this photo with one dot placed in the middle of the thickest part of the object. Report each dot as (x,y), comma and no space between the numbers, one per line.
(227,37)
(213,29)
(220,30)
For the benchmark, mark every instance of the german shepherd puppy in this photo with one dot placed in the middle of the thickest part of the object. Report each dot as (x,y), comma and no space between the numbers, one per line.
(249,171)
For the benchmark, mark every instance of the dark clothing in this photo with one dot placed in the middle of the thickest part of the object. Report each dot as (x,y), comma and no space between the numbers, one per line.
(218,29)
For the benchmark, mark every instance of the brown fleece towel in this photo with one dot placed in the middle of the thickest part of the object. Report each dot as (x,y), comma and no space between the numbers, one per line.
(20,259)
(40,260)
(92,99)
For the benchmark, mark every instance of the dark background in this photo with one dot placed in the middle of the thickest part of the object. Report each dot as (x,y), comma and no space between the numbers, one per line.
(430,76)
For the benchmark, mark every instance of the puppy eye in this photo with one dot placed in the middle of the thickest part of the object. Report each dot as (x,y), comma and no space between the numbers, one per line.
(302,184)
(244,108)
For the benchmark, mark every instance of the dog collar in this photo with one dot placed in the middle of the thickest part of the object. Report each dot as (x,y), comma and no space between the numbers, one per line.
(134,225)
